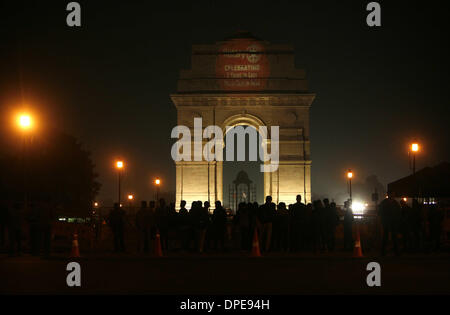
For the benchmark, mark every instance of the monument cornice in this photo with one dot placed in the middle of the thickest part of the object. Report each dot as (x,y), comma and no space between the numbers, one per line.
(253,99)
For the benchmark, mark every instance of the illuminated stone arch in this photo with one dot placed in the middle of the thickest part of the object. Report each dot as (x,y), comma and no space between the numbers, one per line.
(277,95)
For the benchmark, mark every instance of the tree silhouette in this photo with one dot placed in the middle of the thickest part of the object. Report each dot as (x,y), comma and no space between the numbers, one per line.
(50,166)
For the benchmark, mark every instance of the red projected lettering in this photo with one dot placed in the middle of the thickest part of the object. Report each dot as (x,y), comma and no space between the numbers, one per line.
(242,65)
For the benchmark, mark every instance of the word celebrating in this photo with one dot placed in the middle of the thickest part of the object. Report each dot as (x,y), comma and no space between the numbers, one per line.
(374,17)
(212,151)
(74,17)
(374,278)
(74,277)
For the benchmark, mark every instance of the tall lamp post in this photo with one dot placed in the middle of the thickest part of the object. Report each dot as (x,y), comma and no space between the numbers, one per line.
(130,201)
(25,124)
(157,184)
(119,166)
(413,151)
(350,176)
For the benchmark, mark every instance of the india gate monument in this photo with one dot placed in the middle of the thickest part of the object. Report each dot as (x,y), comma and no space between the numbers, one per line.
(246,81)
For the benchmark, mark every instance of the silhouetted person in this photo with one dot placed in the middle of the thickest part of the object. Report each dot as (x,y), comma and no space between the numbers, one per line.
(435,217)
(242,221)
(282,219)
(15,217)
(173,226)
(117,224)
(416,224)
(332,219)
(318,225)
(255,224)
(406,225)
(46,219)
(266,215)
(298,225)
(162,223)
(199,221)
(34,232)
(390,215)
(144,218)
(152,220)
(4,213)
(219,221)
(309,227)
(203,224)
(184,225)
(348,226)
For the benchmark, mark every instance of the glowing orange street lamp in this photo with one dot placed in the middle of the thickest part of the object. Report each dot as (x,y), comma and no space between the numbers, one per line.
(25,122)
(130,201)
(119,166)
(414,148)
(157,183)
(350,176)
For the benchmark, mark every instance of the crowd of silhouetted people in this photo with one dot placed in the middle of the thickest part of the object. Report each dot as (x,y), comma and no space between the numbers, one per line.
(37,217)
(278,228)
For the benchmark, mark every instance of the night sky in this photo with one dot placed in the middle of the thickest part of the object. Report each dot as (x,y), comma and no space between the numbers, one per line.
(108,82)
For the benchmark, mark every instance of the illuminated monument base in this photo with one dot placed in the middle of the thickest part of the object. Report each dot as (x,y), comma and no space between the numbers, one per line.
(246,81)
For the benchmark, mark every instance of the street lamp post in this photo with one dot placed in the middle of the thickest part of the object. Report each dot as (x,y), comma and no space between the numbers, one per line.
(350,176)
(413,150)
(130,202)
(119,166)
(157,183)
(25,124)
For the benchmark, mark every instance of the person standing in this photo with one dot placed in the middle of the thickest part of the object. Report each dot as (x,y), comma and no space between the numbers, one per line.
(332,219)
(298,227)
(15,217)
(219,220)
(390,214)
(283,227)
(348,226)
(436,218)
(267,213)
(242,221)
(117,224)
(143,225)
(34,233)
(184,226)
(204,225)
(4,214)
(46,221)
(162,223)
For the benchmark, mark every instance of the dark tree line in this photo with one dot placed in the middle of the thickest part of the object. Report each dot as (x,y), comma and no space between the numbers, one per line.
(47,166)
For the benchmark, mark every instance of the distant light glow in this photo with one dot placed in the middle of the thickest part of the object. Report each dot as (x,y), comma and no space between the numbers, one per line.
(350,174)
(25,121)
(119,164)
(415,147)
(95,204)
(405,199)
(157,181)
(358,207)
(130,197)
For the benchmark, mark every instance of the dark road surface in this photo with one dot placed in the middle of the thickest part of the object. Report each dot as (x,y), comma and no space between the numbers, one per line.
(226,275)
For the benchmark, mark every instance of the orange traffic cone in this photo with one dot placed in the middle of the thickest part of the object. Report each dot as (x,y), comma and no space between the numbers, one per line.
(357,252)
(255,245)
(75,252)
(158,250)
